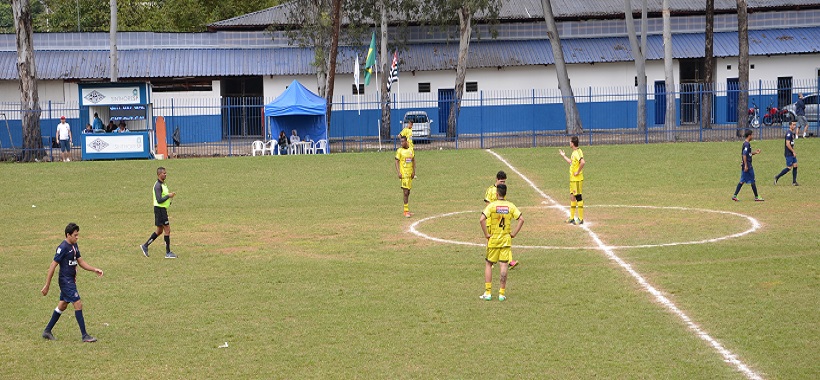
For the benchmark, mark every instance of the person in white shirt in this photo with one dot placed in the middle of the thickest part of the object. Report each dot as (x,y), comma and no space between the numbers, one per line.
(294,138)
(64,136)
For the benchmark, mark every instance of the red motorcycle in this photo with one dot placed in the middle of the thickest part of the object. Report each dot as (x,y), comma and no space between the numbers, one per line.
(774,115)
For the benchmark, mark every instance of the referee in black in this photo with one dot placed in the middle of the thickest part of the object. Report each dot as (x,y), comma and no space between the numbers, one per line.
(162,199)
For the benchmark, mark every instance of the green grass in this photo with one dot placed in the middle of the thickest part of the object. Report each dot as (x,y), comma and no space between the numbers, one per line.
(305,266)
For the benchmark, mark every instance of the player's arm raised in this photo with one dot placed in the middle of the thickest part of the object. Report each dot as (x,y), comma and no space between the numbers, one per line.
(567,159)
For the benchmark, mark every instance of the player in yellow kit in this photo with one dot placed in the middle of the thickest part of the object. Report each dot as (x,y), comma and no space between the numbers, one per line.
(496,223)
(576,181)
(491,196)
(406,169)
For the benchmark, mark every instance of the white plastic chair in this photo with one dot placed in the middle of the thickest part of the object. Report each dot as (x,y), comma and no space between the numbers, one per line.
(258,146)
(320,145)
(269,147)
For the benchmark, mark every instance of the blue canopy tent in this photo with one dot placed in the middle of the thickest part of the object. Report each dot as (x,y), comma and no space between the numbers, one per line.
(300,109)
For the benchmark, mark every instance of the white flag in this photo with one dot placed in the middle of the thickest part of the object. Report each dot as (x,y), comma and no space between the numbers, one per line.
(356,75)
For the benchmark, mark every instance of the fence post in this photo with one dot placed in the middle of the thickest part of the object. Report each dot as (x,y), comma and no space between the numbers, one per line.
(230,137)
(700,112)
(481,117)
(343,125)
(532,99)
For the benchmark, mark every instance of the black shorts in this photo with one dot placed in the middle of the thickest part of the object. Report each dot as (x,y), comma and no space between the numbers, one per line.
(161,216)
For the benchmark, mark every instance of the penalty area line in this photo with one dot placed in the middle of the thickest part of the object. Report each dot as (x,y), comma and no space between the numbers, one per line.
(728,356)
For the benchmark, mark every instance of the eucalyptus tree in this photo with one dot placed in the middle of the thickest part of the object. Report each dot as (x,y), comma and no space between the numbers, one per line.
(639,54)
(708,66)
(444,12)
(27,71)
(670,120)
(573,118)
(742,65)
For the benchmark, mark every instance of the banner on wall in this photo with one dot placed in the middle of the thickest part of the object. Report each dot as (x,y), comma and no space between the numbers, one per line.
(115,145)
(104,96)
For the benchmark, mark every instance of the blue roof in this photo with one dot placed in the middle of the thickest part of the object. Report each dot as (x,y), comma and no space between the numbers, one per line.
(283,61)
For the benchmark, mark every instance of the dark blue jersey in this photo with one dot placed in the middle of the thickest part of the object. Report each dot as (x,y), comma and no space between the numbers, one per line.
(789,140)
(747,152)
(67,255)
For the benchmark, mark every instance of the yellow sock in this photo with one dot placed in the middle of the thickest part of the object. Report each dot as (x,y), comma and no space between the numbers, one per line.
(502,291)
(581,210)
(488,287)
(572,207)
(406,207)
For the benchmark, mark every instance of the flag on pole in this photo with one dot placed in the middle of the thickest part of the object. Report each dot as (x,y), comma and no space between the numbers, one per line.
(394,71)
(370,61)
(356,75)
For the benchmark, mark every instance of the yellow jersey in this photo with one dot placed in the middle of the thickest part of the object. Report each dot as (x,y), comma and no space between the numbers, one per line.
(491,195)
(499,216)
(405,158)
(577,156)
(408,133)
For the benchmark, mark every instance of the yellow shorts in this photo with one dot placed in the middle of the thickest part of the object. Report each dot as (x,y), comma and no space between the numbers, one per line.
(495,255)
(576,187)
(406,181)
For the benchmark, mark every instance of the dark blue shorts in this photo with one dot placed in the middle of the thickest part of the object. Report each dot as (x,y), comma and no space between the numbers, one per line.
(68,293)
(65,145)
(791,161)
(747,177)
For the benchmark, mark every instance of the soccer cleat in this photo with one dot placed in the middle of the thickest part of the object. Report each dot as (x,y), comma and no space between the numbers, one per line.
(759,199)
(580,222)
(502,297)
(734,198)
(795,184)
(89,339)
(170,255)
(775,180)
(570,221)
(48,335)
(408,214)
(144,249)
(513,264)
(486,297)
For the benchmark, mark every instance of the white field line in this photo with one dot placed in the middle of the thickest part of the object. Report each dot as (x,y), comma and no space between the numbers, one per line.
(727,355)
(755,225)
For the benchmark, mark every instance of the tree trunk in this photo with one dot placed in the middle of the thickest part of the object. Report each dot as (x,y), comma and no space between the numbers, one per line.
(639,54)
(708,66)
(742,66)
(113,41)
(29,98)
(671,116)
(334,50)
(465,29)
(384,62)
(573,118)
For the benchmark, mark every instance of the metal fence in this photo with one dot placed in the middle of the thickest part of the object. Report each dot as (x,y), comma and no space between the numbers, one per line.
(487,119)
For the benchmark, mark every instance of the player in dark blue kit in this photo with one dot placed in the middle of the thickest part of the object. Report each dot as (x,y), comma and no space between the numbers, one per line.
(791,156)
(747,172)
(68,258)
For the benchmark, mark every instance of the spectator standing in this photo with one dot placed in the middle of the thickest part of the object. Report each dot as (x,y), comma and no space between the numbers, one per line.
(64,137)
(800,111)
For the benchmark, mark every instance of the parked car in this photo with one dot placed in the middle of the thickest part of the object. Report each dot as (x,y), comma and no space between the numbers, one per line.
(812,109)
(421,124)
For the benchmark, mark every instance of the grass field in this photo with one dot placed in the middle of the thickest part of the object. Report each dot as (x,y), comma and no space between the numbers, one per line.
(305,266)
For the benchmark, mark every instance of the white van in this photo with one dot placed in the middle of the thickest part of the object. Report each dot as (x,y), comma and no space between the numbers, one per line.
(421,124)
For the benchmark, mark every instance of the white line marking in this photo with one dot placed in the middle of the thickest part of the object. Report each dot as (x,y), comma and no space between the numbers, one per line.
(755,225)
(728,356)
